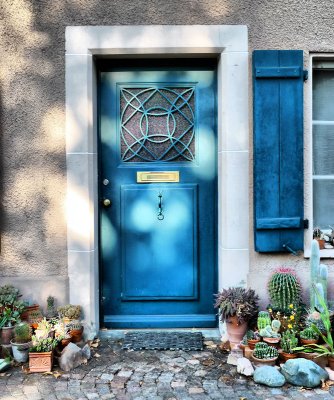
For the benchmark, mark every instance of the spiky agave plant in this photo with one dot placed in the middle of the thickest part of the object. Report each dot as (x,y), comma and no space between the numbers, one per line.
(284,289)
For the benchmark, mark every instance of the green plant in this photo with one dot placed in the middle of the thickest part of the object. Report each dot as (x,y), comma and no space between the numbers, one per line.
(61,331)
(70,311)
(10,316)
(238,302)
(275,325)
(326,349)
(284,289)
(288,341)
(50,301)
(44,328)
(265,352)
(319,275)
(8,295)
(22,333)
(309,334)
(314,318)
(271,331)
(263,320)
(43,345)
(74,325)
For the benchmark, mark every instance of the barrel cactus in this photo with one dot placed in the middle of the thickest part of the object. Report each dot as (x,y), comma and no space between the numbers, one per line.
(22,332)
(263,320)
(265,352)
(284,289)
(309,334)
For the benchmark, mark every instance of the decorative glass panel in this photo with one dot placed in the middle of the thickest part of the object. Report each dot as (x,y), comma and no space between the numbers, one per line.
(323,193)
(157,124)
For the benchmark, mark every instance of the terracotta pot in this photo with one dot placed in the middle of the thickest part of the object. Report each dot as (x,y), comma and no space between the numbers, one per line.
(27,310)
(41,362)
(321,243)
(258,362)
(252,343)
(235,330)
(322,361)
(287,356)
(308,341)
(6,334)
(65,342)
(272,341)
(331,362)
(76,335)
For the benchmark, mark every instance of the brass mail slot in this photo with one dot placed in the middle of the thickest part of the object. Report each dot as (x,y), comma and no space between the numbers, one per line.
(159,176)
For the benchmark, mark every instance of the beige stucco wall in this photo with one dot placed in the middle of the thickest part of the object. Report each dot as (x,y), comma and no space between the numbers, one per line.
(32,113)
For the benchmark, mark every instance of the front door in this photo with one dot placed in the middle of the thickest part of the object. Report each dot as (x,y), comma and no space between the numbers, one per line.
(158,218)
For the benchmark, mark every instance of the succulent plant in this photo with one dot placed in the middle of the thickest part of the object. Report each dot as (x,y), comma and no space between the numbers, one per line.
(314,318)
(268,332)
(319,275)
(284,288)
(8,295)
(74,325)
(22,332)
(238,302)
(263,320)
(43,345)
(51,310)
(265,352)
(70,311)
(289,341)
(309,334)
(275,325)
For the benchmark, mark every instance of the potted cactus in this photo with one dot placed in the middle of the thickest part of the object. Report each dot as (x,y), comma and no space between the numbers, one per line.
(236,307)
(69,313)
(263,320)
(288,342)
(252,338)
(270,333)
(263,354)
(308,336)
(21,342)
(51,310)
(75,330)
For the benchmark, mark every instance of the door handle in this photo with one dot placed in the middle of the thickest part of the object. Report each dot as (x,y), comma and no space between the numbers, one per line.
(106,203)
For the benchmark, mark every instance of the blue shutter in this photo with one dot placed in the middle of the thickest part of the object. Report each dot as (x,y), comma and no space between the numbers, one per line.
(278,81)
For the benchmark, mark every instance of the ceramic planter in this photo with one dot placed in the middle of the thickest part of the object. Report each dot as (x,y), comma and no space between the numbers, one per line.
(41,362)
(20,351)
(272,341)
(252,343)
(235,331)
(259,362)
(287,356)
(76,335)
(322,361)
(308,341)
(6,334)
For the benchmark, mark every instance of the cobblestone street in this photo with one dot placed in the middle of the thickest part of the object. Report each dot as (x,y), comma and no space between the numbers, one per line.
(113,373)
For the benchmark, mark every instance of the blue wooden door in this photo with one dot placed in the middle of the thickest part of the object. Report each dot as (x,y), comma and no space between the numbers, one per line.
(158,172)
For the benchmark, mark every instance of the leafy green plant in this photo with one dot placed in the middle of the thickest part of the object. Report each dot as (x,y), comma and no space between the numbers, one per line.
(8,295)
(70,311)
(284,289)
(265,352)
(22,333)
(237,301)
(44,329)
(326,349)
(43,345)
(10,316)
(74,325)
(309,334)
(314,318)
(263,320)
(289,341)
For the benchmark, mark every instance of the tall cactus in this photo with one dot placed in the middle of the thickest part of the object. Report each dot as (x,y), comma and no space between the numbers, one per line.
(284,288)
(319,276)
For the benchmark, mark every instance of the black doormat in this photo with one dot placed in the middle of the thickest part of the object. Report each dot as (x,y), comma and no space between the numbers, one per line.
(163,341)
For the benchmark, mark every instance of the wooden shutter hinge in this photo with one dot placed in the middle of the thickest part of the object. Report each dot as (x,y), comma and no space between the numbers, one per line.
(306,224)
(305,75)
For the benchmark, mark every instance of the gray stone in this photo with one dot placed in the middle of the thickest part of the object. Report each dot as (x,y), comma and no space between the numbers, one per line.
(245,367)
(233,356)
(71,357)
(269,376)
(302,372)
(86,351)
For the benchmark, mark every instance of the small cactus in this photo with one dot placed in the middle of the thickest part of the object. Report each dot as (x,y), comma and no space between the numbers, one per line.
(284,288)
(289,341)
(275,325)
(22,333)
(265,352)
(268,332)
(309,334)
(319,275)
(263,320)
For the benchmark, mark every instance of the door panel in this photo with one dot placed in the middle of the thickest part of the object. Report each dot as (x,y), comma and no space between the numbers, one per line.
(158,240)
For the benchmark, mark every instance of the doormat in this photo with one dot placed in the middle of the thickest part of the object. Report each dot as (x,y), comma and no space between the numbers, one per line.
(163,341)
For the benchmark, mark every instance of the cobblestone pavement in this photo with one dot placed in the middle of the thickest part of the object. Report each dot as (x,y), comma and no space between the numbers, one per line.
(113,373)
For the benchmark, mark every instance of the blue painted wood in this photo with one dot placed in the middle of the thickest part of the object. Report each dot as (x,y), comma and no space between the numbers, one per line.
(279,223)
(154,272)
(278,149)
(281,72)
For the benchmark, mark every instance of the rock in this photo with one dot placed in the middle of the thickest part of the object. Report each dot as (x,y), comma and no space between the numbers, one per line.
(245,367)
(72,356)
(269,376)
(233,357)
(302,372)
(330,373)
(86,351)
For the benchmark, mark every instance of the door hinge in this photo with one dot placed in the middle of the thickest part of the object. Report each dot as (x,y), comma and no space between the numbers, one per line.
(305,75)
(306,223)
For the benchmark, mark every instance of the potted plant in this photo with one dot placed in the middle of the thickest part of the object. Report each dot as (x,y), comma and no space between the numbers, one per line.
(75,330)
(319,237)
(326,349)
(41,354)
(62,333)
(270,333)
(263,354)
(8,296)
(34,317)
(69,313)
(308,336)
(236,307)
(263,320)
(21,342)
(51,310)
(9,317)
(252,338)
(288,342)
(44,329)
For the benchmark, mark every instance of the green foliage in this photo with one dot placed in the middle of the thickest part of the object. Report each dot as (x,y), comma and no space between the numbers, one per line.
(50,302)
(70,311)
(22,333)
(314,318)
(284,289)
(275,325)
(263,320)
(268,332)
(8,295)
(265,352)
(319,275)
(43,345)
(289,341)
(238,302)
(10,316)
(309,334)
(74,325)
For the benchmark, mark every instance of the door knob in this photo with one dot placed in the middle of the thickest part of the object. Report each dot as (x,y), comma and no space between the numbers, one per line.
(106,203)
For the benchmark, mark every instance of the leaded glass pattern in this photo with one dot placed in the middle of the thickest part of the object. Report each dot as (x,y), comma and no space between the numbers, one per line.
(157,124)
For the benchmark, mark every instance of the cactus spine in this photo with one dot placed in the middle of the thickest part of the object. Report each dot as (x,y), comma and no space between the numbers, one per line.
(263,351)
(319,276)
(284,289)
